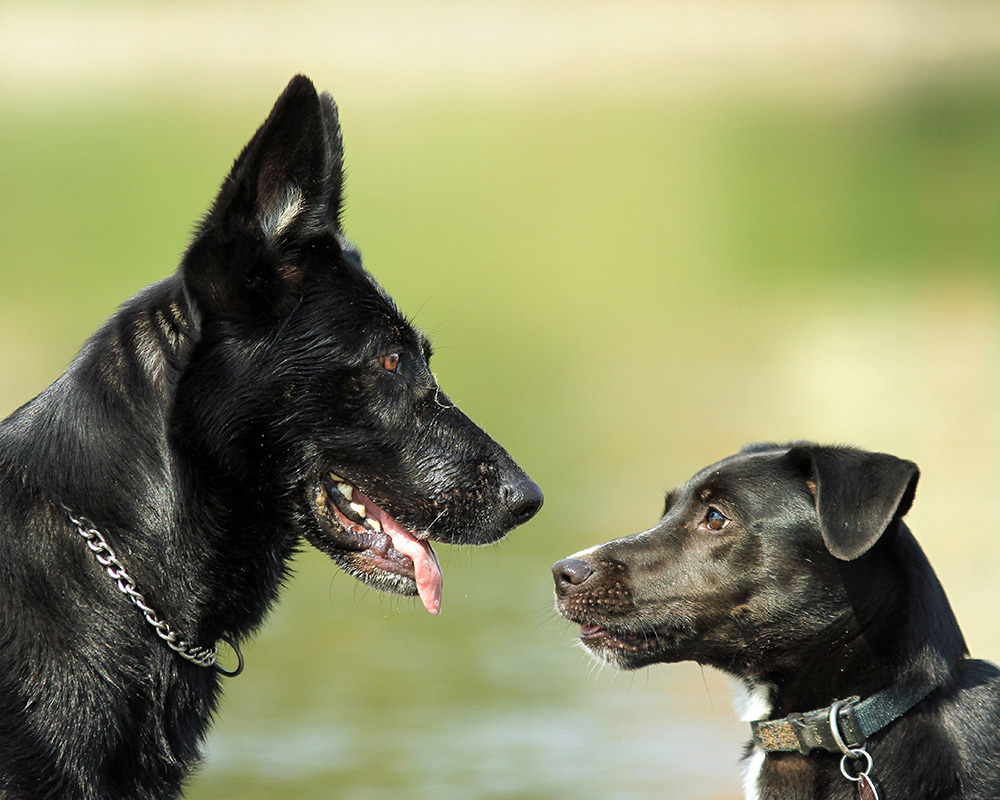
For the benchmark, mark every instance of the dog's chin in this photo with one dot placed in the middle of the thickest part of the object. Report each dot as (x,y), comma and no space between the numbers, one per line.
(385,574)
(370,545)
(635,648)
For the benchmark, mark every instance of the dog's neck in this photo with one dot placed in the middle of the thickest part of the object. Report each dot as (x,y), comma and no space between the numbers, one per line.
(868,650)
(894,646)
(102,446)
(851,665)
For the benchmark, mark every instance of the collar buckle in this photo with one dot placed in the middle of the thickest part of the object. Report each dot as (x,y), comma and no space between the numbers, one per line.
(842,727)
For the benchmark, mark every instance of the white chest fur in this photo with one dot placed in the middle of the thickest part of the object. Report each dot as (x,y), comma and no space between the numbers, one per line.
(752,701)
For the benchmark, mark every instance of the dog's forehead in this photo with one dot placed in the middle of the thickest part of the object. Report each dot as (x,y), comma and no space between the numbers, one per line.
(373,300)
(745,470)
(353,268)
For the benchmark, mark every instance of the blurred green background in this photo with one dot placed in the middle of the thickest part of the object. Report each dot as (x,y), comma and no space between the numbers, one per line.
(640,235)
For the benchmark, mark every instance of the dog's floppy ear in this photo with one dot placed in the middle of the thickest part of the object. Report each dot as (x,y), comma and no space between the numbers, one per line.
(284,187)
(858,494)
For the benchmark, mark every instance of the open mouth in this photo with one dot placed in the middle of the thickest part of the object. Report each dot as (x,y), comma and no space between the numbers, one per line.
(378,543)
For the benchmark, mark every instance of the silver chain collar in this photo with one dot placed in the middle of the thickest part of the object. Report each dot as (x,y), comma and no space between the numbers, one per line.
(105,555)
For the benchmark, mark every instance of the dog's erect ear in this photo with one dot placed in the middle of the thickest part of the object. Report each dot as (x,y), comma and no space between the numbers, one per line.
(858,494)
(334,158)
(284,188)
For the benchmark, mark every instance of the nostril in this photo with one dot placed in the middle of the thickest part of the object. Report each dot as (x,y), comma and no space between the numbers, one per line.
(523,499)
(571,572)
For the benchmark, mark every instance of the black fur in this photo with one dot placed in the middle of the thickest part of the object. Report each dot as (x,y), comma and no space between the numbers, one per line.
(196,430)
(790,568)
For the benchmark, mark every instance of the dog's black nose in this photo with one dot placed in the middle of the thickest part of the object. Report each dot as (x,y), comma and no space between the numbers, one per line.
(570,572)
(523,499)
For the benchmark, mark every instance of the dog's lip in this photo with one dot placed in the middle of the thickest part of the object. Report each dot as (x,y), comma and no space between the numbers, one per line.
(380,538)
(639,639)
(591,632)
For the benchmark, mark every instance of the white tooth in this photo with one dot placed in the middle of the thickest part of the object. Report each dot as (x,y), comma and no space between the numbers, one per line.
(359,509)
(374,525)
(336,478)
(346,489)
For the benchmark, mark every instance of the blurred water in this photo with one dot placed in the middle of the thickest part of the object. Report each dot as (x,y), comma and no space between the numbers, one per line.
(491,700)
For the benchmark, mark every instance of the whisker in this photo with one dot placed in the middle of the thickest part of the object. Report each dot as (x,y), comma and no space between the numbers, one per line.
(435,520)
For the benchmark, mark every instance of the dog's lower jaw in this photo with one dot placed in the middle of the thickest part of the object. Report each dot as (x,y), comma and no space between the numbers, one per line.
(632,649)
(371,546)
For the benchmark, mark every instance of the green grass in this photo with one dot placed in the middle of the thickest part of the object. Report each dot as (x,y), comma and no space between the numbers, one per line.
(526,200)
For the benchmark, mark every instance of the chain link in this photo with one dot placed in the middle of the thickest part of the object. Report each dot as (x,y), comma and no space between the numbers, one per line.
(105,555)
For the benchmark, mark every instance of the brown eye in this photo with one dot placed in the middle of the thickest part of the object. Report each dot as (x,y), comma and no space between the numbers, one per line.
(716,520)
(390,362)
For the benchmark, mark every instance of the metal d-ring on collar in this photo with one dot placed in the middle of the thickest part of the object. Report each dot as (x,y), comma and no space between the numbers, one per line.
(865,786)
(835,728)
(106,557)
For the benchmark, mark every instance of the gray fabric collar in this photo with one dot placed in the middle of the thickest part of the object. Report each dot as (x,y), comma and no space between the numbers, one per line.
(856,720)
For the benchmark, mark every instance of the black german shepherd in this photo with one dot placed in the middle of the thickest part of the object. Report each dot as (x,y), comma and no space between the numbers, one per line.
(150,499)
(790,568)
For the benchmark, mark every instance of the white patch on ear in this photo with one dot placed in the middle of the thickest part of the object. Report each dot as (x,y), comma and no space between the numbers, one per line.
(281,213)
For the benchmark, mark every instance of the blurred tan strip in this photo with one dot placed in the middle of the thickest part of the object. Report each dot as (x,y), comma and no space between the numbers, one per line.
(537,46)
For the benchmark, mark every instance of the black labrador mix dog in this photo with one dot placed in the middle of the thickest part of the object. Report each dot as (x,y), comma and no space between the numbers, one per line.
(269,392)
(790,568)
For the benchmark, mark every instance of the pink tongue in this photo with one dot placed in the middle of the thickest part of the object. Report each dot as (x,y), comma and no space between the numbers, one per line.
(426,569)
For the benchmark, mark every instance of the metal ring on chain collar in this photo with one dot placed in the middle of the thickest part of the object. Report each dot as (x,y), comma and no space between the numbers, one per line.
(239,654)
